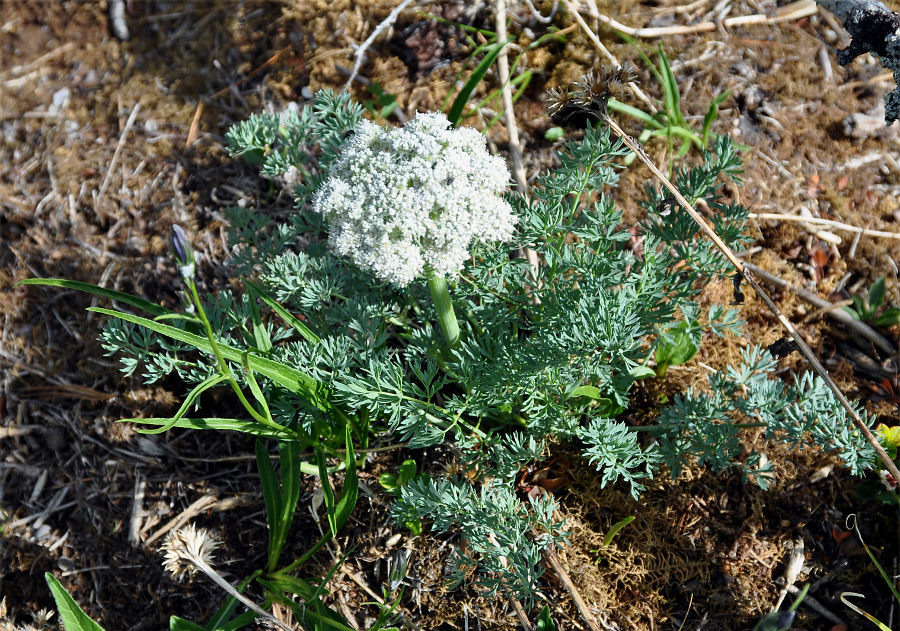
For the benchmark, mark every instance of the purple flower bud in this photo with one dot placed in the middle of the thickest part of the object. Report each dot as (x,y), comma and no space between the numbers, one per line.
(184,253)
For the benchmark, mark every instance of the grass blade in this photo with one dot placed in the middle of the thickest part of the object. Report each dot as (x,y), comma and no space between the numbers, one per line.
(493,51)
(252,428)
(310,388)
(118,296)
(273,500)
(285,315)
(200,388)
(327,491)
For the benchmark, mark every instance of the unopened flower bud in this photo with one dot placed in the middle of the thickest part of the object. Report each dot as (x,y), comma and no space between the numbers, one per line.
(184,253)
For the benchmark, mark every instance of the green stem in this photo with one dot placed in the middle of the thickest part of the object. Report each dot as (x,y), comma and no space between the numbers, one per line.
(440,294)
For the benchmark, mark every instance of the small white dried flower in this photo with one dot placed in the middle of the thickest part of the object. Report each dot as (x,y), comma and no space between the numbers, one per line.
(887,480)
(403,201)
(188,550)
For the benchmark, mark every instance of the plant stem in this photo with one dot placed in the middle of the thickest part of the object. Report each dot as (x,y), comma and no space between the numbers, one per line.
(225,585)
(440,294)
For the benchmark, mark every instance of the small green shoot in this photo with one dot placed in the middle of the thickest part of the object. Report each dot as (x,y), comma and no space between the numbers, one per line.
(554,133)
(679,345)
(492,49)
(866,308)
(392,483)
(669,122)
(544,621)
(491,52)
(382,104)
(613,531)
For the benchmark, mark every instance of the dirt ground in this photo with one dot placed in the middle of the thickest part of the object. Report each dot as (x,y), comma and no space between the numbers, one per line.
(102,149)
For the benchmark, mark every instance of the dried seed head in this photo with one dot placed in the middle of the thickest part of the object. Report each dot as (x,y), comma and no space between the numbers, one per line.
(597,87)
(187,547)
(558,99)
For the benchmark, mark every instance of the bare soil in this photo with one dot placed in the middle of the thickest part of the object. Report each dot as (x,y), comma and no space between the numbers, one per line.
(90,185)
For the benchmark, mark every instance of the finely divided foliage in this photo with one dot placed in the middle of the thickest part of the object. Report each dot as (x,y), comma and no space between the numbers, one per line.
(552,356)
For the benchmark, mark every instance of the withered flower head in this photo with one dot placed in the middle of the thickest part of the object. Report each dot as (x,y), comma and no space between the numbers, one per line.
(595,88)
(189,549)
(558,99)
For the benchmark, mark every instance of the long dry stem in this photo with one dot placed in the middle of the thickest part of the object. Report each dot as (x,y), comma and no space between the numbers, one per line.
(805,350)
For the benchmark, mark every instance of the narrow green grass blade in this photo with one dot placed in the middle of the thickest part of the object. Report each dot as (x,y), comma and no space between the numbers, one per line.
(289,461)
(350,494)
(285,315)
(180,624)
(670,90)
(681,132)
(344,505)
(459,104)
(273,500)
(290,584)
(228,608)
(644,57)
(254,387)
(200,388)
(118,296)
(261,338)
(641,115)
(308,387)
(253,428)
(326,621)
(327,491)
(712,113)
(865,614)
(614,530)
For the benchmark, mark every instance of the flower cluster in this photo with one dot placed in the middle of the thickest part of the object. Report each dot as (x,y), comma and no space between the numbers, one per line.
(407,201)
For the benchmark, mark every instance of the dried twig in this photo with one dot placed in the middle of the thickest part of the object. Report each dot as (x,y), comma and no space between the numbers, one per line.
(194,509)
(857,326)
(137,510)
(793,11)
(361,51)
(744,270)
(121,143)
(596,40)
(37,63)
(827,222)
(550,555)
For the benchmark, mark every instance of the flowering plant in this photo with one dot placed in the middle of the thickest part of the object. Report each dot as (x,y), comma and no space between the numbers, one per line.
(551,353)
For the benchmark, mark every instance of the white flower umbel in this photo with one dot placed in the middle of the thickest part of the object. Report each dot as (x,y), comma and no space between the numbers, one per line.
(408,202)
